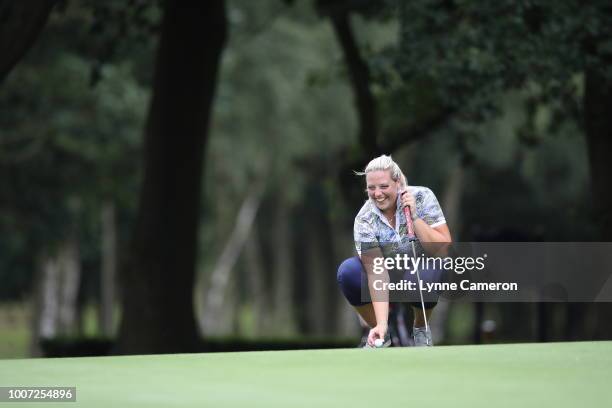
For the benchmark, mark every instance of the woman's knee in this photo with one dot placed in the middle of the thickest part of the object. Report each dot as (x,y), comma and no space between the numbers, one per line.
(350,271)
(350,279)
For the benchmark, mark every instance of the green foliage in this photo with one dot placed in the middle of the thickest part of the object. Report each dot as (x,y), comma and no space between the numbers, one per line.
(474,50)
(512,74)
(72,114)
(65,146)
(269,117)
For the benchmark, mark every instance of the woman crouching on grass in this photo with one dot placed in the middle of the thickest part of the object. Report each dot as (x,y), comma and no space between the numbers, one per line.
(380,230)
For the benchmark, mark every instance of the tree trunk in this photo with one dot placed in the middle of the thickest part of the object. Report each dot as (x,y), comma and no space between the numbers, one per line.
(314,261)
(108,269)
(56,290)
(327,272)
(44,308)
(220,278)
(598,126)
(316,299)
(255,280)
(282,272)
(20,24)
(359,73)
(69,266)
(159,273)
(451,203)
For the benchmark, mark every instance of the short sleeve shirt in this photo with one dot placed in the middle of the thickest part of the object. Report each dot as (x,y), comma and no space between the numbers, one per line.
(372,229)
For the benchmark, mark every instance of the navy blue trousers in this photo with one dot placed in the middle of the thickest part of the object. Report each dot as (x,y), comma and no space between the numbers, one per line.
(352,280)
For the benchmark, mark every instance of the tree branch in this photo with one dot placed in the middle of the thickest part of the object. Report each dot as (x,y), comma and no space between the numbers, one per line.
(396,137)
(359,74)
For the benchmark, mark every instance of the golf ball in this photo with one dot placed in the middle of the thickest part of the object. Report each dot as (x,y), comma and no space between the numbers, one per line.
(378,342)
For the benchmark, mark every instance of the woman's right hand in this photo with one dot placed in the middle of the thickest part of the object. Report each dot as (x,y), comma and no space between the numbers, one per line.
(378,332)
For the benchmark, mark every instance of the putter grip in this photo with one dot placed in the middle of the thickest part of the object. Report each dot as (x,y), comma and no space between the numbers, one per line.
(409,224)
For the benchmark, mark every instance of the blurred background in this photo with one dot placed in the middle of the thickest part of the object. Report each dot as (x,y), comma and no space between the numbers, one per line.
(179,179)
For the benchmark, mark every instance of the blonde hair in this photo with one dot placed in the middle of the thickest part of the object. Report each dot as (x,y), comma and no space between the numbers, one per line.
(383,163)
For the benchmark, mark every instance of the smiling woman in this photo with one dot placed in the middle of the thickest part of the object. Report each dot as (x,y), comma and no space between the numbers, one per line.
(383,191)
(380,230)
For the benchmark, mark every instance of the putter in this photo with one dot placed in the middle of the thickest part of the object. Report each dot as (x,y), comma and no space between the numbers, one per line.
(412,238)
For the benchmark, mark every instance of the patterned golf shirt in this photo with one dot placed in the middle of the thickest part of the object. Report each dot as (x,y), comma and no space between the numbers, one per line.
(372,229)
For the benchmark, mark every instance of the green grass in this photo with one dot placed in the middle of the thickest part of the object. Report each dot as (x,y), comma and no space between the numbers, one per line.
(14,343)
(14,330)
(534,375)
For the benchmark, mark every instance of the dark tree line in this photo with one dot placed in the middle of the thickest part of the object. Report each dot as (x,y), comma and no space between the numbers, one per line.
(158,273)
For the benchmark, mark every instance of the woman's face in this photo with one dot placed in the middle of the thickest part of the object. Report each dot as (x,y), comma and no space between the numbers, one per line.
(382,190)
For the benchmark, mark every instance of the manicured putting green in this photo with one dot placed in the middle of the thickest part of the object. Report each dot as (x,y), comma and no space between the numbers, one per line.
(517,375)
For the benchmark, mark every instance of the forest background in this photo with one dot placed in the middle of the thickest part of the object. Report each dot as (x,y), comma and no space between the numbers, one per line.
(176,173)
